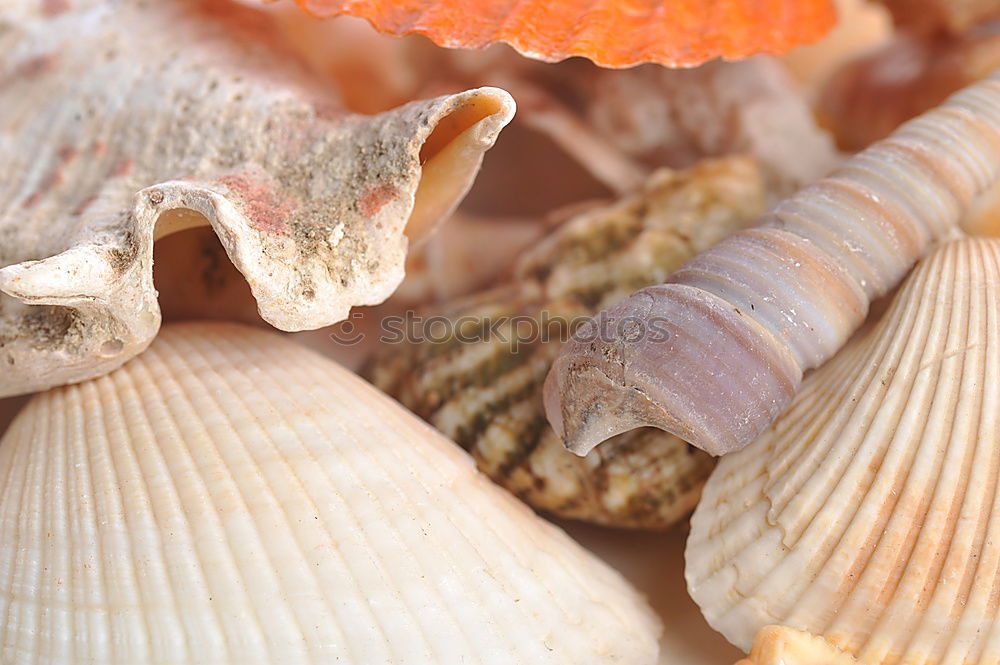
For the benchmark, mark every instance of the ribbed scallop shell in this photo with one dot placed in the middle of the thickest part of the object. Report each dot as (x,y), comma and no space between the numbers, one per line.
(229,497)
(612,33)
(866,513)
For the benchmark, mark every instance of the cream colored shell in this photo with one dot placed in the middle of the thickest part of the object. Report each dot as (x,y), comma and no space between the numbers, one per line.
(869,513)
(780,645)
(230,497)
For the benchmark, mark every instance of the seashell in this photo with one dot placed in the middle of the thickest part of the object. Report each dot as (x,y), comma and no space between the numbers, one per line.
(474,377)
(780,645)
(230,497)
(121,124)
(718,352)
(611,33)
(871,95)
(937,16)
(865,514)
(676,117)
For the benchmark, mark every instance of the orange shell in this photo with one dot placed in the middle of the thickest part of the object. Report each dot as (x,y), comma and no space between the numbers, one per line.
(612,33)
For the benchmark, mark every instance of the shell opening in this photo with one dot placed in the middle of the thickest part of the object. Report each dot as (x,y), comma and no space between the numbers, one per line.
(451,155)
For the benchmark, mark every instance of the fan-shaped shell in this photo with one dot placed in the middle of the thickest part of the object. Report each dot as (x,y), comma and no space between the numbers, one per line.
(867,514)
(230,497)
(612,33)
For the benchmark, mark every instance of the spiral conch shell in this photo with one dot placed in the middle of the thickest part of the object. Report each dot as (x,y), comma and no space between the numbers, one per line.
(230,497)
(121,122)
(719,351)
(867,514)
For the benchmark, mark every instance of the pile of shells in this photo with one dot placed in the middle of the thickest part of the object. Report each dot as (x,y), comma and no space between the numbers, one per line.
(218,493)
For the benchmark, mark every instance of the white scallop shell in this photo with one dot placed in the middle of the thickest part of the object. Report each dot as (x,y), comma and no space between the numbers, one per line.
(230,497)
(867,514)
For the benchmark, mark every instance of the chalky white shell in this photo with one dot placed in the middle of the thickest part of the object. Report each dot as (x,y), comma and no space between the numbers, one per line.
(868,513)
(230,497)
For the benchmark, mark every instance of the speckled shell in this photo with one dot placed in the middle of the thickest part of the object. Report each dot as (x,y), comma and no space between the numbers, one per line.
(867,514)
(485,393)
(719,351)
(122,122)
(228,497)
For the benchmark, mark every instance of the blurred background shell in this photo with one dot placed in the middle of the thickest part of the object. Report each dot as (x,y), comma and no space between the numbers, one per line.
(230,497)
(866,514)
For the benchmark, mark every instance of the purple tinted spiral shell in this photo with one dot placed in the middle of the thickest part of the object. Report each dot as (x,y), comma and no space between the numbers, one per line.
(718,352)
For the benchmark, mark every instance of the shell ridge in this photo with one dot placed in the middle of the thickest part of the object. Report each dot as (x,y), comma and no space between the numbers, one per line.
(980,473)
(915,577)
(201,378)
(388,478)
(894,481)
(919,561)
(42,520)
(82,462)
(502,537)
(158,382)
(953,534)
(986,597)
(389,471)
(582,584)
(252,457)
(922,562)
(116,512)
(154,506)
(13,561)
(863,359)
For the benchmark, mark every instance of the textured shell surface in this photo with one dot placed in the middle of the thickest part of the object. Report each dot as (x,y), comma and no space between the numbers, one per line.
(612,33)
(745,319)
(485,392)
(867,514)
(780,645)
(121,122)
(230,497)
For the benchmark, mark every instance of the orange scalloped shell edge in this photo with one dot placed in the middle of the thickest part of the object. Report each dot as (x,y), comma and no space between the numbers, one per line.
(611,33)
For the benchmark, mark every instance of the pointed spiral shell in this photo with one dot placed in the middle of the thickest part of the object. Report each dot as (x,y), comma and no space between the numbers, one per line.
(868,513)
(715,354)
(228,497)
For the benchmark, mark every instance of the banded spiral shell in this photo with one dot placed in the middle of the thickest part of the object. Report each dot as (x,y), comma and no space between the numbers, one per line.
(230,497)
(482,384)
(737,325)
(867,514)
